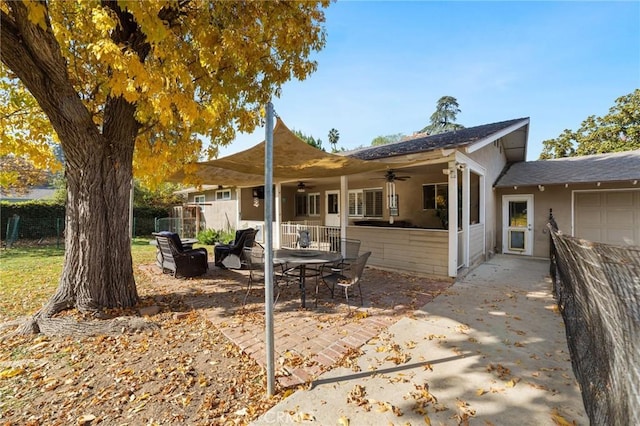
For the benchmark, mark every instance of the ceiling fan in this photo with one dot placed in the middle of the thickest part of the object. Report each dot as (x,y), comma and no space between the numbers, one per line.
(302,187)
(390,176)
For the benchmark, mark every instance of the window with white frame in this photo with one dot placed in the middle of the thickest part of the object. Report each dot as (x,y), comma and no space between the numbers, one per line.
(356,204)
(223,194)
(199,199)
(314,204)
(372,202)
(435,196)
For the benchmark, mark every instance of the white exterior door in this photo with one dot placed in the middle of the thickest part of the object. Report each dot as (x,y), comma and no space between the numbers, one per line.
(332,211)
(517,220)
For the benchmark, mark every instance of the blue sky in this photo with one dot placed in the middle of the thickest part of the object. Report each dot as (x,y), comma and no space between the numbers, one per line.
(386,64)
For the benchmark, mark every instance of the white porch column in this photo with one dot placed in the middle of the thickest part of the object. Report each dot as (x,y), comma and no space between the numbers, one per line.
(453,219)
(238,208)
(344,206)
(466,204)
(278,219)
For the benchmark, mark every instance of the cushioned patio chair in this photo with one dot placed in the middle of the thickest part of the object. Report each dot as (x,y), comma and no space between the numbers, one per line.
(229,256)
(347,278)
(175,258)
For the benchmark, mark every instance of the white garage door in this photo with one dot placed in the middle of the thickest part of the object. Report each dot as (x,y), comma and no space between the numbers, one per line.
(611,217)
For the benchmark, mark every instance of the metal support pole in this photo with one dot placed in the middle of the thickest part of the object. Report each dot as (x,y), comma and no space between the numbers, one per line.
(268,253)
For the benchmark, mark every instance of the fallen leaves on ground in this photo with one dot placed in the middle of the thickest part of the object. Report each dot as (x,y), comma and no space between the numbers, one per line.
(357,396)
(185,372)
(559,420)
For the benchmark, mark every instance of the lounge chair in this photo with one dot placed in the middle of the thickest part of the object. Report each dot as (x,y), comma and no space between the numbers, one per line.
(175,258)
(229,256)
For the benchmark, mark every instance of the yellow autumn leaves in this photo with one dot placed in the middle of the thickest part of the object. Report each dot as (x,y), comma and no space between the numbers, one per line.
(203,73)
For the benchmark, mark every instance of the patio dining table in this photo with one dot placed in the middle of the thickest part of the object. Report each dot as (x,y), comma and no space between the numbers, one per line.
(301,259)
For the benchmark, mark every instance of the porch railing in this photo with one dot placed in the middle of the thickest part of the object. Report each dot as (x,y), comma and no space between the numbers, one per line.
(326,238)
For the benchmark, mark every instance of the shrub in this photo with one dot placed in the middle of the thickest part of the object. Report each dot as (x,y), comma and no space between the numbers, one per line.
(208,236)
(227,235)
(212,236)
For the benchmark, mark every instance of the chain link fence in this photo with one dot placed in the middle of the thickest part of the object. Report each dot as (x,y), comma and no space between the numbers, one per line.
(598,291)
(49,231)
(185,227)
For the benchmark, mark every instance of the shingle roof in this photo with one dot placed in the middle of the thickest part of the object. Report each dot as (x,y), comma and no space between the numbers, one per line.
(618,166)
(422,143)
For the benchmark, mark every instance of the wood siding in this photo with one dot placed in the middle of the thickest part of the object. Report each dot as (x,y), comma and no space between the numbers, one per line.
(476,241)
(409,250)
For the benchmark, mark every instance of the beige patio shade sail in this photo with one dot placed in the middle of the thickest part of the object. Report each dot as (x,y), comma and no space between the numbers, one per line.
(293,159)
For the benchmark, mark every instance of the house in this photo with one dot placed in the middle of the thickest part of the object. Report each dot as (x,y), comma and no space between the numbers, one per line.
(42,193)
(431,205)
(211,206)
(594,197)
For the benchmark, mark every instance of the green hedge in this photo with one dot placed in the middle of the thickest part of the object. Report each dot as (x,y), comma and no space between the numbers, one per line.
(40,219)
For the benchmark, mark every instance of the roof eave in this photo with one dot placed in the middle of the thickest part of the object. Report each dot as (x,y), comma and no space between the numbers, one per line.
(520,151)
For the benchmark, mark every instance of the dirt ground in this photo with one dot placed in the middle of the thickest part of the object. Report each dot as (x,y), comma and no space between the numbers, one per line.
(182,370)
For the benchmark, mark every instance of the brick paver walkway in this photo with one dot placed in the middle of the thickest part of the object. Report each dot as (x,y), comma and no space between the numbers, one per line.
(307,341)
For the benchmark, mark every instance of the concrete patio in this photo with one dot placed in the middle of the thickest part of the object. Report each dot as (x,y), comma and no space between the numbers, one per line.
(491,350)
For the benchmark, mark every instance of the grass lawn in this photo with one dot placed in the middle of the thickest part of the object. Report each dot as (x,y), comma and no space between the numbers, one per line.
(29,275)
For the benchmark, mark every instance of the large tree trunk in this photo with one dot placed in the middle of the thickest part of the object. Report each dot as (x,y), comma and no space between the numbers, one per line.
(98,270)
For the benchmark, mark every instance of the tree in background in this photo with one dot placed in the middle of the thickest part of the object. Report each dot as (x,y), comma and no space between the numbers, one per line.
(617,131)
(316,143)
(24,165)
(334,136)
(444,117)
(163,195)
(383,140)
(128,86)
(19,175)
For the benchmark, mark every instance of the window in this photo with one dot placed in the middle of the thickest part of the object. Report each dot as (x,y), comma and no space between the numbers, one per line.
(199,199)
(355,203)
(333,203)
(435,196)
(314,204)
(372,202)
(301,205)
(307,204)
(224,194)
(474,198)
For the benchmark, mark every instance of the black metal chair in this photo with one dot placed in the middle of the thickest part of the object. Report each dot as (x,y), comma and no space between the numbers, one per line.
(230,255)
(180,261)
(350,249)
(254,260)
(347,278)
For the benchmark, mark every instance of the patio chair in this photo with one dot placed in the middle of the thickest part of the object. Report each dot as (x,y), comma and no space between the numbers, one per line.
(351,251)
(175,258)
(253,258)
(229,256)
(347,279)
